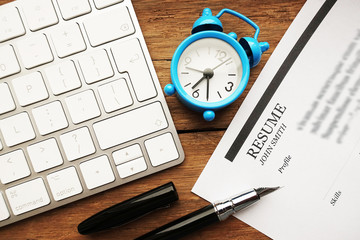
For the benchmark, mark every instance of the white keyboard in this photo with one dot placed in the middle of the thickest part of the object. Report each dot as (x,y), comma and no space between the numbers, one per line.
(81,108)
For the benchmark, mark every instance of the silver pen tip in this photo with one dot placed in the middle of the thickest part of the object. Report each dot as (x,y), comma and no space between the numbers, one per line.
(263,191)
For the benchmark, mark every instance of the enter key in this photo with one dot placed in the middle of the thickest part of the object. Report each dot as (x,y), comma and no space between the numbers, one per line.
(129,58)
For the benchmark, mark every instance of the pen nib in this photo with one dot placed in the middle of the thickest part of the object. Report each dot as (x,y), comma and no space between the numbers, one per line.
(265,190)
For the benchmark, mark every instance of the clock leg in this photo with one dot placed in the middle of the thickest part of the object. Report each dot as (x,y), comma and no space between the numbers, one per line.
(209,115)
(169,89)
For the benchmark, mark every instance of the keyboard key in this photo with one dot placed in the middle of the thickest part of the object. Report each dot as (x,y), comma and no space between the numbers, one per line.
(115,95)
(13,166)
(126,154)
(62,77)
(39,14)
(132,167)
(73,8)
(4,212)
(11,25)
(17,129)
(77,143)
(7,102)
(105,3)
(27,196)
(9,64)
(82,106)
(130,125)
(161,149)
(45,155)
(97,172)
(65,95)
(68,39)
(34,51)
(64,183)
(130,58)
(98,34)
(96,66)
(50,117)
(30,88)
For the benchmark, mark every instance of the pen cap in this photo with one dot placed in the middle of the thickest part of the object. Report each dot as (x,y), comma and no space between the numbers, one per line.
(130,209)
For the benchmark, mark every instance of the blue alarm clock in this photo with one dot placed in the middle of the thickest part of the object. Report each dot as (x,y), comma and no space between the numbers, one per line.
(210,69)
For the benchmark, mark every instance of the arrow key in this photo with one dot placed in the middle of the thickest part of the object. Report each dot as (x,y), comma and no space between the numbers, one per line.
(132,167)
(126,154)
(97,172)
(161,149)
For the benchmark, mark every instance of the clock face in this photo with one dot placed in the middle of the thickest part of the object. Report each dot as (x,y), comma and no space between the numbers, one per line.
(209,70)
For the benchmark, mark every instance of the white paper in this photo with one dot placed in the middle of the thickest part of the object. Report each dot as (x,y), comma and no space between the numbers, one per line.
(314,149)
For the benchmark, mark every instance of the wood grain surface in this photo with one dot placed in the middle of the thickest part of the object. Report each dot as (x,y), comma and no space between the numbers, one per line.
(165,24)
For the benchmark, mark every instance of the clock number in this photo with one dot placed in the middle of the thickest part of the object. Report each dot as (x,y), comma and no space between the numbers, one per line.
(229,87)
(187,60)
(220,55)
(196,94)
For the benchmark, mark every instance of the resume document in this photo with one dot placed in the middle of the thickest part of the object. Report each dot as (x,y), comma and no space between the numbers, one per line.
(299,128)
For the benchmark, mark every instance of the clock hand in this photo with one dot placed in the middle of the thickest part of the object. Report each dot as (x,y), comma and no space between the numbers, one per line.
(208,73)
(207,88)
(221,64)
(197,83)
(197,70)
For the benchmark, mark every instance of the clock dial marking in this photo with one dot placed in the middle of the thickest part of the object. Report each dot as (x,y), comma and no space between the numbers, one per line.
(197,53)
(196,93)
(209,70)
(229,87)
(220,55)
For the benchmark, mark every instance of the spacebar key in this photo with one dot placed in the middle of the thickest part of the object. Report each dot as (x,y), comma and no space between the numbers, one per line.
(130,125)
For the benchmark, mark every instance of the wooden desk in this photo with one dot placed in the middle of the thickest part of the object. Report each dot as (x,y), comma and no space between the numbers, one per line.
(165,24)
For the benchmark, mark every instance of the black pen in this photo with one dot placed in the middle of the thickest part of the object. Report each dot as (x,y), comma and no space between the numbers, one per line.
(207,215)
(130,209)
